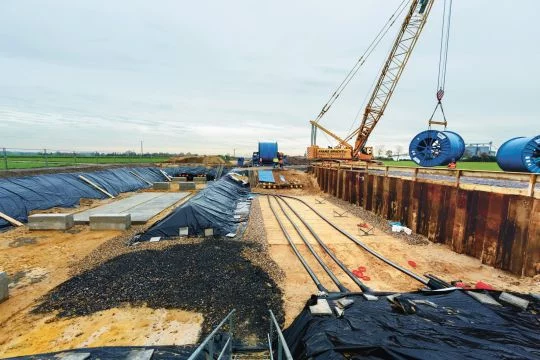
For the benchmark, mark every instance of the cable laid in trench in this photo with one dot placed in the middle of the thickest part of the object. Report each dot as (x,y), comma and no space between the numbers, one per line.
(345,269)
(362,245)
(313,252)
(295,249)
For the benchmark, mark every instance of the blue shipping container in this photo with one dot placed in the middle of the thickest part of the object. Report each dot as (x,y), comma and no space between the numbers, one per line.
(268,151)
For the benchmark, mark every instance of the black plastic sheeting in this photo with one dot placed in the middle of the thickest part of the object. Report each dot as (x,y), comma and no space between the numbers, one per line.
(192,171)
(19,196)
(459,327)
(121,352)
(213,207)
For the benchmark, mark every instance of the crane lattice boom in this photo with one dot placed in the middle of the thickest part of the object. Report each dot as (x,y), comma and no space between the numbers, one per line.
(392,70)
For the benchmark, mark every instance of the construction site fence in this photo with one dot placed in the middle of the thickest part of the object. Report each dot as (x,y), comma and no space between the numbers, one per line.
(11,158)
(500,229)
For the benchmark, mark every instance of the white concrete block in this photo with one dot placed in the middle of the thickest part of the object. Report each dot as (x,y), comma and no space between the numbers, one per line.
(50,221)
(110,221)
(4,290)
(162,186)
(179,179)
(186,186)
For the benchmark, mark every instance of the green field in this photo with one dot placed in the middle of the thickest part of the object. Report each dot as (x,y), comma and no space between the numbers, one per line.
(463,165)
(39,161)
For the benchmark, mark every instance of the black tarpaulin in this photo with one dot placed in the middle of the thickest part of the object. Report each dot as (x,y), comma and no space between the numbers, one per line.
(192,171)
(214,207)
(458,327)
(21,195)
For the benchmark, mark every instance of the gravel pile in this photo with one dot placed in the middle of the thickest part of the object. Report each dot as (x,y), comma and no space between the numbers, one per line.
(377,221)
(211,277)
(256,234)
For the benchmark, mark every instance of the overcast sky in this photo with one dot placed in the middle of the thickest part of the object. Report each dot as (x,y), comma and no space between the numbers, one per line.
(213,76)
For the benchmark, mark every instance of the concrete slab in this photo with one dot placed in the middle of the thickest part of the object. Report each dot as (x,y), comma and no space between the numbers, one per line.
(187,186)
(50,221)
(143,354)
(199,179)
(162,186)
(142,207)
(73,356)
(4,290)
(110,222)
(179,179)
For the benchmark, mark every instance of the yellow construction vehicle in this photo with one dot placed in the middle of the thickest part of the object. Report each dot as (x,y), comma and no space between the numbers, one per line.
(395,64)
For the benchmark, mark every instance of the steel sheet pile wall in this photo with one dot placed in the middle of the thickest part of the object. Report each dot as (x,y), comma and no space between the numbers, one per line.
(501,230)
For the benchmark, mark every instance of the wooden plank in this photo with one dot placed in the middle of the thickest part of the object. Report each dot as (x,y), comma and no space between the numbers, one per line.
(96,186)
(166,175)
(140,177)
(11,220)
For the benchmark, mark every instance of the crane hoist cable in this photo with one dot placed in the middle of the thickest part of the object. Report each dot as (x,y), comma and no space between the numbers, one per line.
(362,107)
(380,35)
(443,62)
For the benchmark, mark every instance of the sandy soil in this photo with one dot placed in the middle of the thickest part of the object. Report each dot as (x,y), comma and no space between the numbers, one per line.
(431,258)
(114,327)
(37,261)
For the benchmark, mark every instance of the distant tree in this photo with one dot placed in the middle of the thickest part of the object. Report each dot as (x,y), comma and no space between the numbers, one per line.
(388,153)
(399,150)
(380,150)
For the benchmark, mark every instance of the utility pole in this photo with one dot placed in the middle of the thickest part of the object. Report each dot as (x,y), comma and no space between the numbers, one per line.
(234,152)
(142,148)
(5,159)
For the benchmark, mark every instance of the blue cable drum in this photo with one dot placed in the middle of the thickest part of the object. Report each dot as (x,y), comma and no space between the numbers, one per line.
(268,151)
(520,154)
(436,148)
